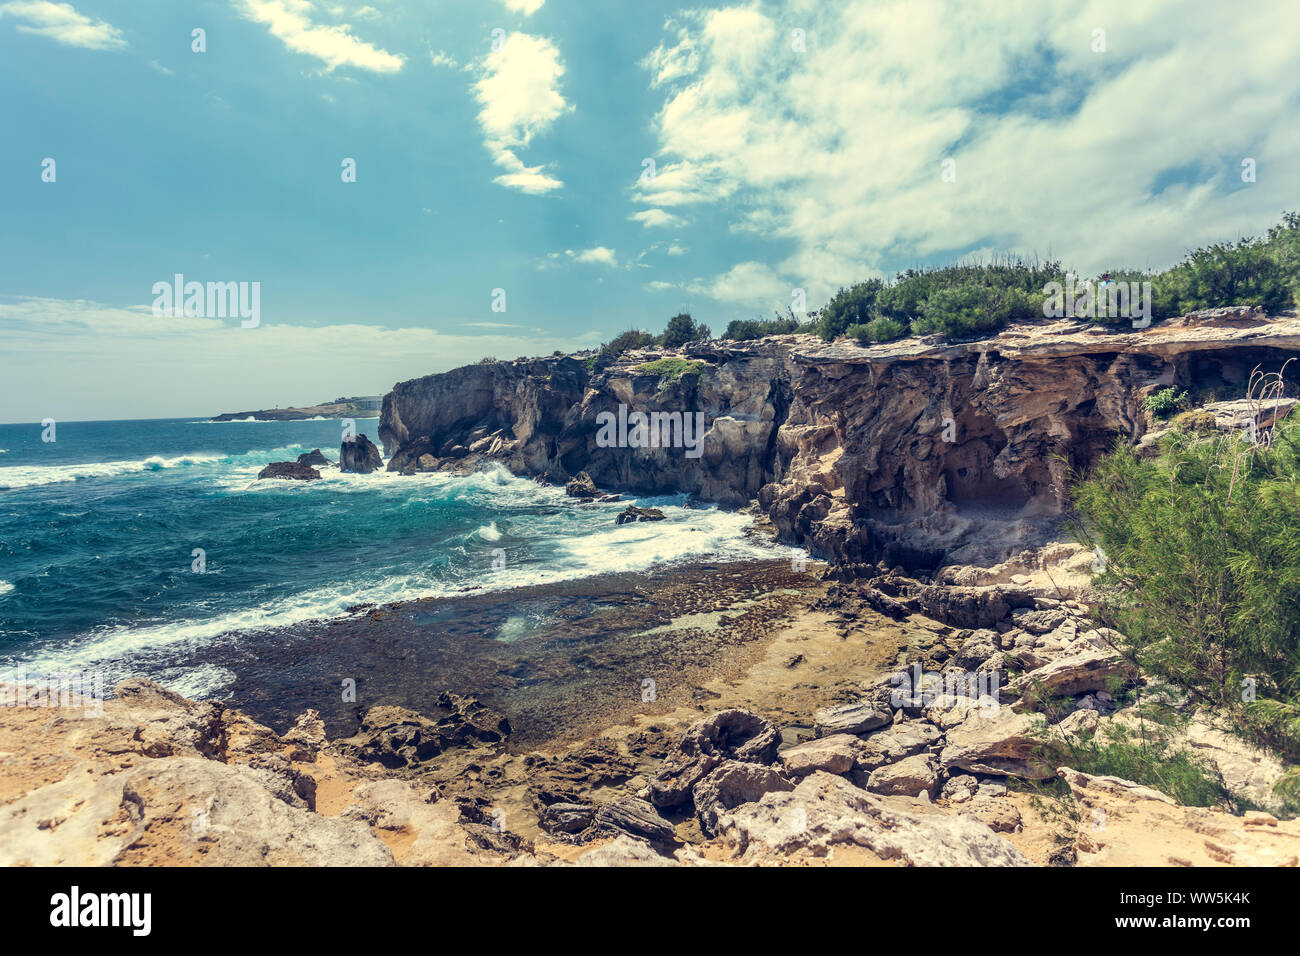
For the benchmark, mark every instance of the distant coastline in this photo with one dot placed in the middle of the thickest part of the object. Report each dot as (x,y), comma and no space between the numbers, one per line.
(366,406)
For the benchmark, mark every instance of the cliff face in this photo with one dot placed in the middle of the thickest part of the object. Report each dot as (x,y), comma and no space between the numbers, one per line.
(917,452)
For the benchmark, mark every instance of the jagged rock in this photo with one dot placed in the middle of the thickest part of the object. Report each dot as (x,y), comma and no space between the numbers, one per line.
(307,735)
(313,458)
(398,737)
(909,777)
(581,486)
(825,811)
(730,784)
(289,469)
(360,456)
(1003,743)
(633,513)
(854,718)
(566,817)
(726,735)
(630,815)
(833,754)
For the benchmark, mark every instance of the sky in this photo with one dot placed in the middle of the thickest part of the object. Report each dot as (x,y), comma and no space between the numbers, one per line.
(533,175)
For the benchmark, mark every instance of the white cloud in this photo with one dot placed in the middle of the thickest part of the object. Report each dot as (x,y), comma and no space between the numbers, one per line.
(526,7)
(62,23)
(600,255)
(443,59)
(519,96)
(745,284)
(290,21)
(65,359)
(653,218)
(836,152)
(368,13)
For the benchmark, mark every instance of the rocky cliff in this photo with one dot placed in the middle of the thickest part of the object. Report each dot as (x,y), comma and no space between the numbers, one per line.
(920,452)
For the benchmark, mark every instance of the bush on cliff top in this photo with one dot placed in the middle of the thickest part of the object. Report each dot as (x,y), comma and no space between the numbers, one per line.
(968,299)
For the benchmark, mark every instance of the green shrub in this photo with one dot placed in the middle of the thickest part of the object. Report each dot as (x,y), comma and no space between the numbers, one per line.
(669,370)
(626,341)
(877,330)
(741,330)
(1165,402)
(682,329)
(852,306)
(1203,569)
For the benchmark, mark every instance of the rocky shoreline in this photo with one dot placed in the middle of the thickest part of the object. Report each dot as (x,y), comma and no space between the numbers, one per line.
(812,751)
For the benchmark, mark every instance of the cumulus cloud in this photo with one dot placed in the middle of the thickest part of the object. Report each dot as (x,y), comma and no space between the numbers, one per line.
(62,23)
(1128,155)
(518,91)
(67,358)
(291,22)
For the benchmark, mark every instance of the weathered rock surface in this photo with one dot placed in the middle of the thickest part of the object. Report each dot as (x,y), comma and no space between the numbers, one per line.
(909,777)
(834,754)
(826,811)
(1125,824)
(1003,743)
(854,718)
(1083,673)
(843,446)
(727,735)
(730,784)
(397,737)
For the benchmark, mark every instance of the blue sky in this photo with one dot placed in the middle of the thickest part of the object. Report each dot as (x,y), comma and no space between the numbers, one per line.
(796,145)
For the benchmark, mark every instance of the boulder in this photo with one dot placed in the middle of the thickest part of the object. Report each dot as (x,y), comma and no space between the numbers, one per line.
(1001,743)
(834,754)
(730,784)
(359,456)
(727,735)
(633,513)
(909,777)
(313,458)
(855,718)
(580,486)
(289,469)
(1093,670)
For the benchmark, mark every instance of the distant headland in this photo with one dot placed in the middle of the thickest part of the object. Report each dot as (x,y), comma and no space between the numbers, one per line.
(366,406)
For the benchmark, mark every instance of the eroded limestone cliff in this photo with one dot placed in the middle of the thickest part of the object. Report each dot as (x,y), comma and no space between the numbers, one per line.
(919,452)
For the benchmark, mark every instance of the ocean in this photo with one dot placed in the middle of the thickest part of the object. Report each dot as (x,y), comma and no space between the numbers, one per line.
(100,534)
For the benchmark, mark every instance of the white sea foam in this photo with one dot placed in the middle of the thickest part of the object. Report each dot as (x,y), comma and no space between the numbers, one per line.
(5,588)
(27,476)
